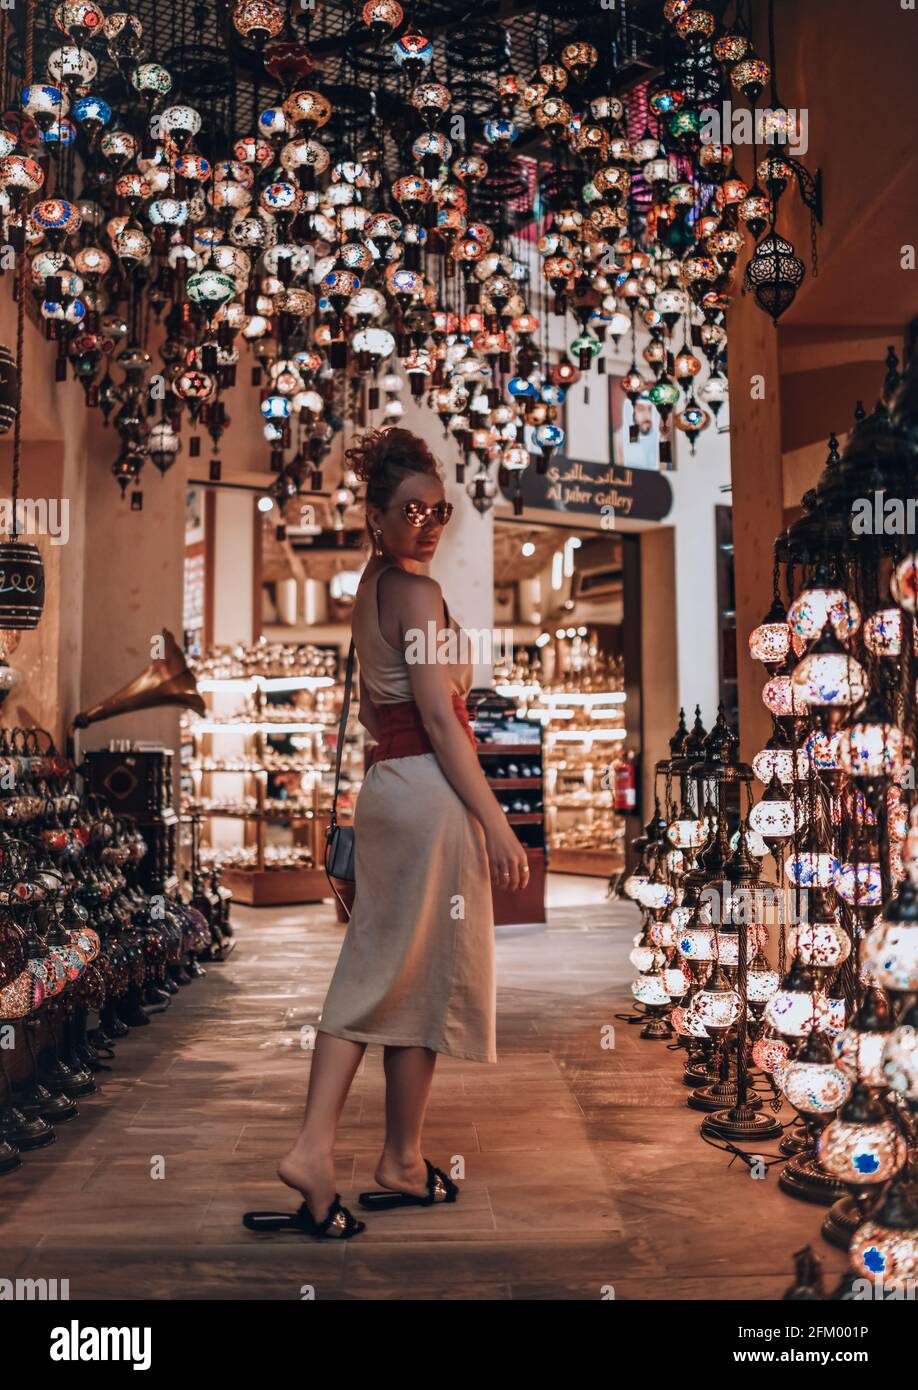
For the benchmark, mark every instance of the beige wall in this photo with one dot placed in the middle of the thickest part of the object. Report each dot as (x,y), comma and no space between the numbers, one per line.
(133,589)
(117,579)
(53,447)
(659,657)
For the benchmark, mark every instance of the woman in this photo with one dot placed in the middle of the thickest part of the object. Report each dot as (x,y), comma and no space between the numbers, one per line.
(416,969)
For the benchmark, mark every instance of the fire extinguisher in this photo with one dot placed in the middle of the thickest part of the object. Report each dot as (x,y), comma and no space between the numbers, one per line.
(624,793)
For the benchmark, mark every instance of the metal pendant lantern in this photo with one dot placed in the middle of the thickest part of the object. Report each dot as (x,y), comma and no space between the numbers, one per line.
(774,273)
(22,585)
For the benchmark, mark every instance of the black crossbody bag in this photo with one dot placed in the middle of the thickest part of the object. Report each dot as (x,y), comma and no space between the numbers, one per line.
(339,839)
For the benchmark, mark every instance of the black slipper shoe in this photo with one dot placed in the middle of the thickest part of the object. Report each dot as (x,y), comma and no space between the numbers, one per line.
(440,1188)
(338,1224)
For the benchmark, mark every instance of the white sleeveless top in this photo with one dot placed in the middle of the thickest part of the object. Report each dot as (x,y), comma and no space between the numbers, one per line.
(384,668)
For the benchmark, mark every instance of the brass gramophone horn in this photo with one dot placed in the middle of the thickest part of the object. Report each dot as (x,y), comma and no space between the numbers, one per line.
(166,681)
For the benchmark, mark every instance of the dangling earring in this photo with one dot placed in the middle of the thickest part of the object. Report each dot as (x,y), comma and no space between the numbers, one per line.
(377,542)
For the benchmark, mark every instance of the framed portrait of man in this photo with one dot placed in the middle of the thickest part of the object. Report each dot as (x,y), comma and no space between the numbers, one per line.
(636,432)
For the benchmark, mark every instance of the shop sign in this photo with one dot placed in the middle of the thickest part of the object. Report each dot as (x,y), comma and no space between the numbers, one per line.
(601,490)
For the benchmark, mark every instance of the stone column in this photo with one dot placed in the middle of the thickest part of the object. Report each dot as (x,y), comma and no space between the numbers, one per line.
(658,695)
(692,603)
(758,509)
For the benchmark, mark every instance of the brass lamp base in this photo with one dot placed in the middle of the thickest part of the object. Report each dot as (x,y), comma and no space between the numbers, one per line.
(795,1141)
(55,1108)
(9,1158)
(656,1027)
(842,1220)
(72,1082)
(740,1122)
(24,1132)
(719,1095)
(805,1179)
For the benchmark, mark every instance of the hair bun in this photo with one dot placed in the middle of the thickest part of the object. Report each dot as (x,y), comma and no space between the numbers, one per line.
(381,458)
(368,456)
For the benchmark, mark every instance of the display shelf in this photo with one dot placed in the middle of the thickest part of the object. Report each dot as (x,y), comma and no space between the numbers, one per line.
(575,803)
(582,719)
(269,765)
(270,814)
(513,784)
(589,862)
(503,741)
(276,887)
(263,696)
(532,749)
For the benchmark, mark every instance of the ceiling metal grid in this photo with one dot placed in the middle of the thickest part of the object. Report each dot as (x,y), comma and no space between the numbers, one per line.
(213,70)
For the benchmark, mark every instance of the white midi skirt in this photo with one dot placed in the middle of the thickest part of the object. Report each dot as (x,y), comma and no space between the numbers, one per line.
(416,967)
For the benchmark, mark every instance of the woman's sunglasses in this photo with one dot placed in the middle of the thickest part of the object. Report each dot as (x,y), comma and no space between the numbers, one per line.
(419,513)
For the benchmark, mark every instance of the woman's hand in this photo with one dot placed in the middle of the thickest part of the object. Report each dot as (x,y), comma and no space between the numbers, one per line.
(509,865)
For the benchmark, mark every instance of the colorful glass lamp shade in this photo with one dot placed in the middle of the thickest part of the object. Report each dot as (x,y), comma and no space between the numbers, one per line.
(815,1088)
(900,1056)
(891,947)
(717,1005)
(829,679)
(886,1246)
(793,1010)
(863,1146)
(770,641)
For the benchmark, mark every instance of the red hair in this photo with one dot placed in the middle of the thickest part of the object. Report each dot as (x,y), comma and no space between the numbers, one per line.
(384,458)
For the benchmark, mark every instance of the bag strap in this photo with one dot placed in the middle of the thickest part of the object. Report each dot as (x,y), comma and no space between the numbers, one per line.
(342,726)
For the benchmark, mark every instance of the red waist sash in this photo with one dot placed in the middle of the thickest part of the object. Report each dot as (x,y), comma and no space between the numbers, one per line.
(402,733)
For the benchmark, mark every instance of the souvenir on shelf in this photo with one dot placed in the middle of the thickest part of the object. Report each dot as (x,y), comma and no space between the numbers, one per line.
(589,776)
(511,757)
(257,768)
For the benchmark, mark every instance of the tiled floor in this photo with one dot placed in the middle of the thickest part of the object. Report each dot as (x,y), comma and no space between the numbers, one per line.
(584,1172)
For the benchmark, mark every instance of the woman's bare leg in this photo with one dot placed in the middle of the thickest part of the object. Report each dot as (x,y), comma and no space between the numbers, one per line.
(309,1166)
(409,1073)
